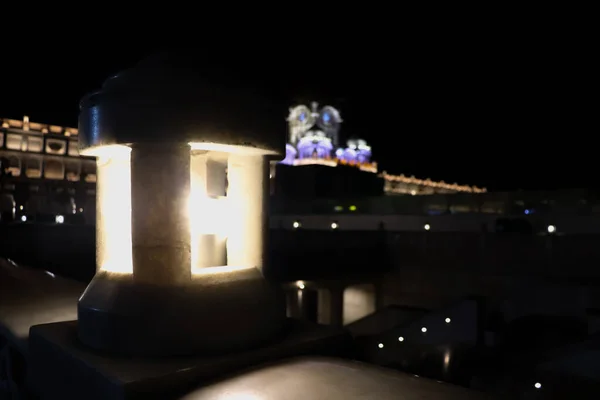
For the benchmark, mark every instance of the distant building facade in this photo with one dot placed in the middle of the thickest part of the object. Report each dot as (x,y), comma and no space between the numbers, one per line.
(42,175)
(313,139)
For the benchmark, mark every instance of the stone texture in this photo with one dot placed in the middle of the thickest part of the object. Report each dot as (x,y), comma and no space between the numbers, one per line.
(160,188)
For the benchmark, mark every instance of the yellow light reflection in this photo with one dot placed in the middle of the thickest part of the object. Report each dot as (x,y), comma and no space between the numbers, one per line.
(218,270)
(208,214)
(113,197)
(230,148)
(208,229)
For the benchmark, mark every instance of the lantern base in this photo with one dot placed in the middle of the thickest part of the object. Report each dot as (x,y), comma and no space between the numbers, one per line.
(215,313)
(59,367)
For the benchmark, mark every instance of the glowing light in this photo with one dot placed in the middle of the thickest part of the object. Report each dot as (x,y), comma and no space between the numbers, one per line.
(23,218)
(448,320)
(208,209)
(248,189)
(352,208)
(380,345)
(427,227)
(229,148)
(224,207)
(334,225)
(296,225)
(21,208)
(218,270)
(446,359)
(424,330)
(113,198)
(537,385)
(300,285)
(393,179)
(551,228)
(59,219)
(401,339)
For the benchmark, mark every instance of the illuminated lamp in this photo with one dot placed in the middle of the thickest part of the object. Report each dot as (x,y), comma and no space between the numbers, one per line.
(182,191)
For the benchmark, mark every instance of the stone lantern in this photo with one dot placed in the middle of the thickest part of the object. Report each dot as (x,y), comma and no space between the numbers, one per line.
(182,191)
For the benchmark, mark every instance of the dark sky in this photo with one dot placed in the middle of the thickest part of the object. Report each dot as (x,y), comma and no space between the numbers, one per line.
(502,112)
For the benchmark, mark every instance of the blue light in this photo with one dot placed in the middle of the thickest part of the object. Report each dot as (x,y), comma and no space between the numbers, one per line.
(326,117)
(302,117)
(527,212)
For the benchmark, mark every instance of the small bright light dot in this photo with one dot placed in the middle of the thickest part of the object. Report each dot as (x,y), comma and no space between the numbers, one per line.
(423,329)
(551,229)
(20,207)
(427,227)
(352,208)
(81,210)
(448,320)
(59,219)
(23,218)
(401,339)
(300,285)
(296,225)
(334,225)
(380,345)
(537,385)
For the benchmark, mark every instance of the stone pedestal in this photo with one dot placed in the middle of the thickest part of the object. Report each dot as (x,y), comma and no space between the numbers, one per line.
(62,368)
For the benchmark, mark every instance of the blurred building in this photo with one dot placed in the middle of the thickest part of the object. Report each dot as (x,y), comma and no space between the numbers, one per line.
(314,145)
(42,175)
(44,178)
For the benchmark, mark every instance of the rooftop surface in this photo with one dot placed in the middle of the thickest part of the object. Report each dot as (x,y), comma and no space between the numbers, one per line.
(318,378)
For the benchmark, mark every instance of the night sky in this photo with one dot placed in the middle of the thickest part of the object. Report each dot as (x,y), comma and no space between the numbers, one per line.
(506,114)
